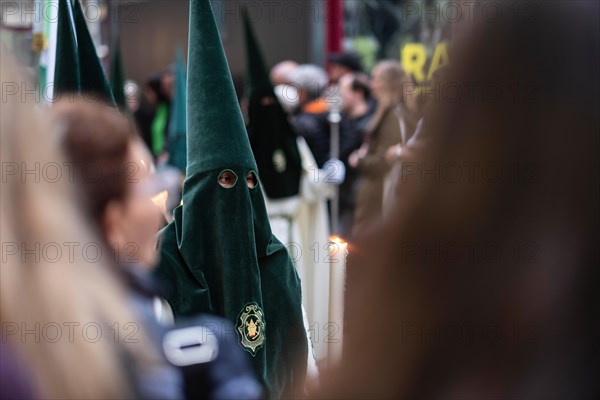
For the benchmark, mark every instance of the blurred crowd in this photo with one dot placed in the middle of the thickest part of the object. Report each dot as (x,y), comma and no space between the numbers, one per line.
(379,114)
(405,181)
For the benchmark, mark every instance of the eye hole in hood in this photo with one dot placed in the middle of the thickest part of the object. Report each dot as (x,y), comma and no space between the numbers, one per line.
(227,179)
(251,180)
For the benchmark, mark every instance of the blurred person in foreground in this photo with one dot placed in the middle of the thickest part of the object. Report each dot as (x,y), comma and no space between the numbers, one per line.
(514,315)
(388,127)
(122,207)
(118,204)
(46,298)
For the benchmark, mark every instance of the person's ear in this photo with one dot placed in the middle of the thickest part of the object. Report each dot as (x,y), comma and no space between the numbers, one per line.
(112,223)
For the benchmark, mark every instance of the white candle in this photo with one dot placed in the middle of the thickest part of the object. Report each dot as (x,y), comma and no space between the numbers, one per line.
(338,249)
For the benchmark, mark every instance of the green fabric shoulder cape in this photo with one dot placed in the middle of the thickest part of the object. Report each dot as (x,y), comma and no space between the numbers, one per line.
(219,254)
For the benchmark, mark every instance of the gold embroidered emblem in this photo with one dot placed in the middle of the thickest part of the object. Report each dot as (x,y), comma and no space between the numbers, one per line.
(251,326)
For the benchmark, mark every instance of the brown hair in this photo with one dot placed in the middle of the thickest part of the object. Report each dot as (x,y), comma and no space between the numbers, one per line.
(409,307)
(360,83)
(38,292)
(96,140)
(395,81)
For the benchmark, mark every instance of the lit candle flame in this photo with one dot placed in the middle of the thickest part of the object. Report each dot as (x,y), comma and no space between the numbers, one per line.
(336,244)
(336,239)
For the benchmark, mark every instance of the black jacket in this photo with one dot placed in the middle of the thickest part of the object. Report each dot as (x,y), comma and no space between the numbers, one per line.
(199,357)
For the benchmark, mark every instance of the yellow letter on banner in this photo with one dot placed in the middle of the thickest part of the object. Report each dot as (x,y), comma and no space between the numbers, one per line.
(440,58)
(414,57)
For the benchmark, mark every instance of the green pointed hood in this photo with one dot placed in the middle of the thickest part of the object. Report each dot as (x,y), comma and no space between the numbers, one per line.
(219,254)
(66,73)
(272,137)
(177,126)
(213,111)
(117,76)
(91,73)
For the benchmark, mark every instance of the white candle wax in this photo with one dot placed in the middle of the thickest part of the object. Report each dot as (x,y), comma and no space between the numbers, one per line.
(338,249)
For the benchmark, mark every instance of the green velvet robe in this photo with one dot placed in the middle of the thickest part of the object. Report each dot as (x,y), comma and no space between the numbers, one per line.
(219,255)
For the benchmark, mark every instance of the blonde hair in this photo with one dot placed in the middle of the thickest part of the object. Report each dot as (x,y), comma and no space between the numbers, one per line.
(39,292)
(392,89)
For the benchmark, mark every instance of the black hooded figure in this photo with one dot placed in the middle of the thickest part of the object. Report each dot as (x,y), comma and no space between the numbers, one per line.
(272,137)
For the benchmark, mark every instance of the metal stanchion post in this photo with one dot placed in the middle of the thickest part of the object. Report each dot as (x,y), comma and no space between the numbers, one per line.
(334,120)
